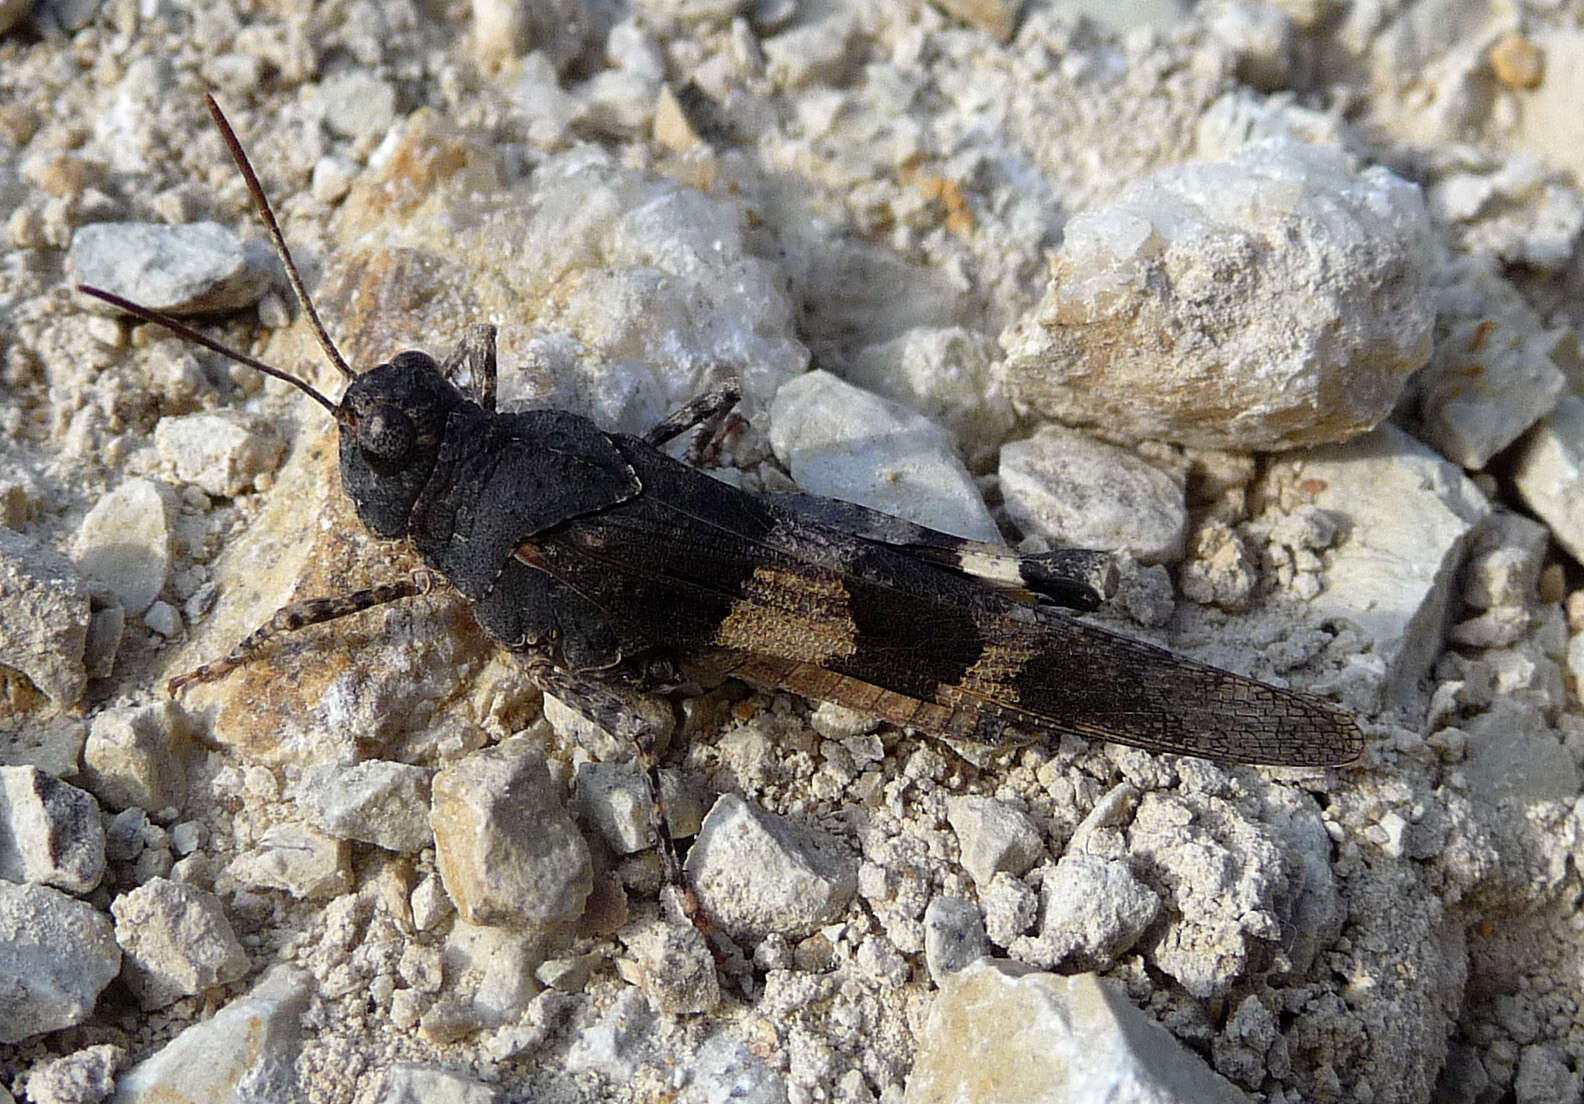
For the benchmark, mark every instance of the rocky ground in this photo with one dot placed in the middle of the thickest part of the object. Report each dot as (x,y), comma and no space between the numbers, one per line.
(1277,300)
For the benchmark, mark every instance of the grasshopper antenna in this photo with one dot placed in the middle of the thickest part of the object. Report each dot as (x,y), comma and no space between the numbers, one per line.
(268,215)
(163,319)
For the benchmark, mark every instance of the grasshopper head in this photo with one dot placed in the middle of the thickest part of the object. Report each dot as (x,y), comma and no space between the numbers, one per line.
(392,419)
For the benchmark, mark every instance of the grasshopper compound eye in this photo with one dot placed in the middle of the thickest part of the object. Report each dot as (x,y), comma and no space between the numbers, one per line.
(385,436)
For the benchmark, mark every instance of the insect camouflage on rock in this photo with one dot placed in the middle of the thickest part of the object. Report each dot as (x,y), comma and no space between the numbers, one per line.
(606,565)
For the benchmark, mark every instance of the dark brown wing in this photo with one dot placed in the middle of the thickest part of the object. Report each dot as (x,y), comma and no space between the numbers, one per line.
(765,594)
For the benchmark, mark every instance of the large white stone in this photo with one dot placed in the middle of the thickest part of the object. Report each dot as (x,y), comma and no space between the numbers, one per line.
(1491,375)
(246,1050)
(840,441)
(756,872)
(1272,300)
(56,955)
(506,848)
(1079,492)
(1408,517)
(998,1032)
(1550,473)
(125,542)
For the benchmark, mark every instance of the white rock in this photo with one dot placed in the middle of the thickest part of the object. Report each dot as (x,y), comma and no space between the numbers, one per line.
(82,1077)
(849,727)
(491,971)
(614,799)
(954,936)
(134,756)
(674,968)
(357,104)
(547,110)
(505,846)
(1112,810)
(1010,907)
(1513,755)
(248,1048)
(223,453)
(1525,212)
(998,1032)
(947,374)
(629,46)
(1078,492)
(375,801)
(842,442)
(44,617)
(569,975)
(1242,116)
(1550,473)
(1220,876)
(50,832)
(1095,910)
(618,1043)
(992,836)
(728,1069)
(1411,515)
(1504,563)
(304,861)
(650,286)
(546,1014)
(818,49)
(1273,300)
(618,101)
(163,618)
(56,955)
(125,542)
(1491,374)
(332,178)
(411,1083)
(198,268)
(757,873)
(429,903)
(175,942)
(186,837)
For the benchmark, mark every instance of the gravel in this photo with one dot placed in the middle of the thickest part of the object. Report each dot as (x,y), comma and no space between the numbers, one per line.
(1294,284)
